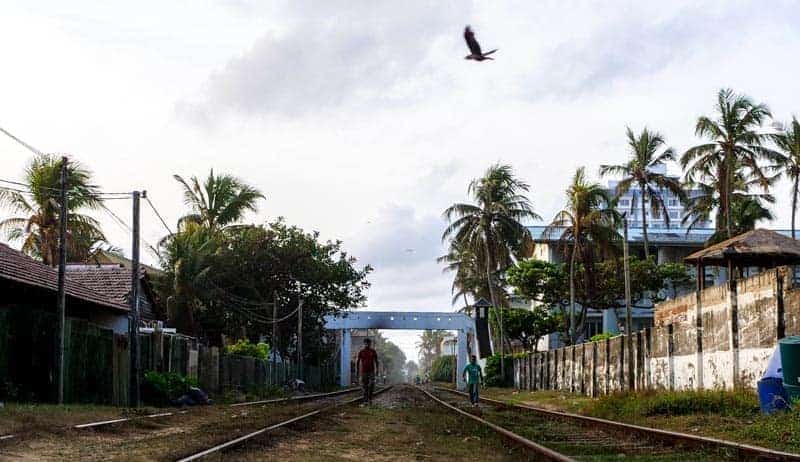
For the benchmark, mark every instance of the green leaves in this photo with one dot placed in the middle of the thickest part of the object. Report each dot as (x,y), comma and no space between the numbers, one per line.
(527,325)
(243,347)
(488,236)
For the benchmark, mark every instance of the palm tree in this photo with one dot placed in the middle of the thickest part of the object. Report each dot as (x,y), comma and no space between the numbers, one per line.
(588,226)
(38,227)
(492,226)
(430,346)
(219,201)
(788,163)
(747,208)
(733,142)
(641,171)
(187,266)
(469,276)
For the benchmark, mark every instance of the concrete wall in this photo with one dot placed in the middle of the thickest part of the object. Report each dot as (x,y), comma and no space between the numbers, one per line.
(720,338)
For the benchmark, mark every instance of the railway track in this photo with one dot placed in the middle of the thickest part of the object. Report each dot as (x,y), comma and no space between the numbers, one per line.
(227,445)
(162,415)
(577,437)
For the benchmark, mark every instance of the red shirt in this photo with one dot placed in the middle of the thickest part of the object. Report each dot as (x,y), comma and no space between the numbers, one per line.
(367,357)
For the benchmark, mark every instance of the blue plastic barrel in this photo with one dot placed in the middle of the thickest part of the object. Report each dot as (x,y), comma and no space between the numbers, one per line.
(772,395)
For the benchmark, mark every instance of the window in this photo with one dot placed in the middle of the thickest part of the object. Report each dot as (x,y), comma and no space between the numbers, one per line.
(674,214)
(624,202)
(673,202)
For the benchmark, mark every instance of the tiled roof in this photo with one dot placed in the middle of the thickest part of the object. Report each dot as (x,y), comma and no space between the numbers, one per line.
(16,266)
(112,281)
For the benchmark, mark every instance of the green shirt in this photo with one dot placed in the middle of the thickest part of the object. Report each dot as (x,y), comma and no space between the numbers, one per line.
(473,372)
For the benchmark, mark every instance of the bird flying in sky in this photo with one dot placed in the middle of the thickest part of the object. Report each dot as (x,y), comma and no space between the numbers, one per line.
(474,47)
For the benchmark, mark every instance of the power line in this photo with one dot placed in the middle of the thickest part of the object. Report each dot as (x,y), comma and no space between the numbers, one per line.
(27,146)
(122,222)
(163,222)
(95,195)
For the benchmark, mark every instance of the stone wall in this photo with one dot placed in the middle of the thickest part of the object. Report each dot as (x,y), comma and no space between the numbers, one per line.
(720,338)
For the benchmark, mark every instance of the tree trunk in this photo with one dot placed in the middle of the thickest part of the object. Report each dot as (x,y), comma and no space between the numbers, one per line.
(727,202)
(644,225)
(572,295)
(493,296)
(794,201)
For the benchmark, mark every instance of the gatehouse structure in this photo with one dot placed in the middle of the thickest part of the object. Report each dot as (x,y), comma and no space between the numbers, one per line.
(405,320)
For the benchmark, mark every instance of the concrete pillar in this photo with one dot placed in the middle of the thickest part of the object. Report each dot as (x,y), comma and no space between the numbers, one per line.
(610,322)
(344,366)
(461,360)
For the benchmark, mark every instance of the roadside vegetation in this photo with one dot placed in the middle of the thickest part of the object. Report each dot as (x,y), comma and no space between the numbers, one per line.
(722,414)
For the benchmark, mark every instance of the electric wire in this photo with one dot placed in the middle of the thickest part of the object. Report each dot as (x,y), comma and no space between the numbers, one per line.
(125,225)
(26,145)
(163,222)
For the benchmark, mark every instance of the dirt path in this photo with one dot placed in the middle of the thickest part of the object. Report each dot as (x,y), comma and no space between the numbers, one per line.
(401,425)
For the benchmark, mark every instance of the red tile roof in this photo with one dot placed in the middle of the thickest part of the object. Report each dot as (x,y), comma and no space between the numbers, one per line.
(113,281)
(16,266)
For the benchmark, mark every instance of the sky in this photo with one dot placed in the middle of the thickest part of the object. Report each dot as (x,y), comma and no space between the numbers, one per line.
(361,119)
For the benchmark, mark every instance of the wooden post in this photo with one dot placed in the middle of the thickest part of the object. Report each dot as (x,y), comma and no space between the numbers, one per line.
(628,320)
(300,340)
(133,328)
(62,267)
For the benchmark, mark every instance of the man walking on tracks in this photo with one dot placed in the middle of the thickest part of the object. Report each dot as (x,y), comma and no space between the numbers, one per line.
(367,366)
(473,375)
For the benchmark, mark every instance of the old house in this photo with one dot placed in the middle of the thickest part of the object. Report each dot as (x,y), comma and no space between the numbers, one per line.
(94,331)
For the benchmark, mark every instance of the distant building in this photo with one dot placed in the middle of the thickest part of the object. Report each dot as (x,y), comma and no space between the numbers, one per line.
(655,221)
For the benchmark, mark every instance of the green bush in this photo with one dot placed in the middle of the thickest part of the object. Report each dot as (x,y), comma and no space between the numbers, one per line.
(492,372)
(160,388)
(601,337)
(442,368)
(243,347)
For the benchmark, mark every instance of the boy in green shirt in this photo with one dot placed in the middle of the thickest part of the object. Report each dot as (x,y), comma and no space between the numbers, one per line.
(473,375)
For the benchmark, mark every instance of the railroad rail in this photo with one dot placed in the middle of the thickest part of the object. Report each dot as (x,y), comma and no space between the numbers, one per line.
(297,399)
(543,452)
(241,439)
(738,451)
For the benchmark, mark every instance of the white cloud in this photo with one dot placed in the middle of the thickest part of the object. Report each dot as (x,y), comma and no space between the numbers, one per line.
(344,112)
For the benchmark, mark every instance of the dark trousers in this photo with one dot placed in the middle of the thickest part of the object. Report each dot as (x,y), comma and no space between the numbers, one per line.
(473,393)
(368,385)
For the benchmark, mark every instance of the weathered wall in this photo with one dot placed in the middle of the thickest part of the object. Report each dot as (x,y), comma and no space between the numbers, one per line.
(721,338)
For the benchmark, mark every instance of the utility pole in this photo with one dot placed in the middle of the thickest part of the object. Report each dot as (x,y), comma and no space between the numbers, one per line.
(273,340)
(62,266)
(628,321)
(502,346)
(133,326)
(300,339)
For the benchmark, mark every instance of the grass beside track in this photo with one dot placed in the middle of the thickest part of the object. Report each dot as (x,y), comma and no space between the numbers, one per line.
(583,443)
(402,425)
(727,415)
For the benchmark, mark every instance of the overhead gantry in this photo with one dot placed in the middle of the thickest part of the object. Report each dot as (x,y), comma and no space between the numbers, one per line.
(406,320)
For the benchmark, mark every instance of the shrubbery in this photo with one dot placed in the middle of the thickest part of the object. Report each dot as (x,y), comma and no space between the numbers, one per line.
(601,337)
(442,368)
(161,388)
(492,372)
(243,347)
